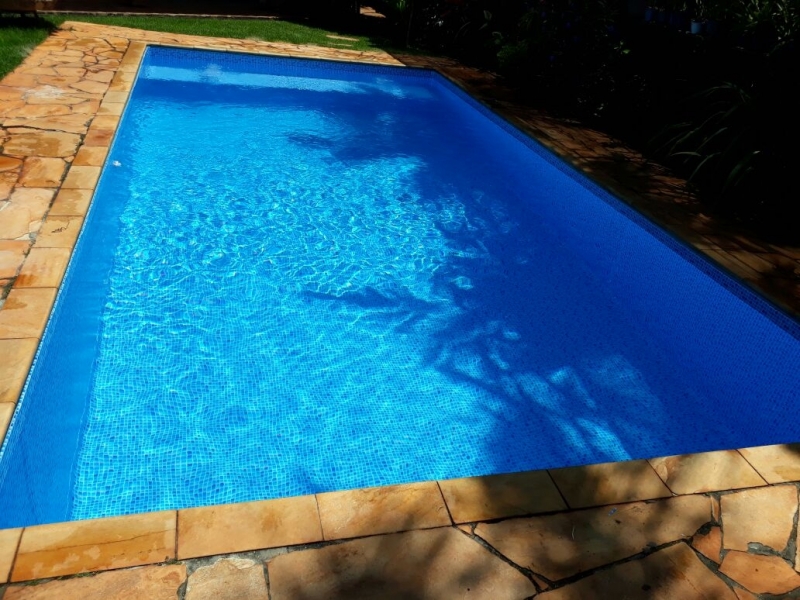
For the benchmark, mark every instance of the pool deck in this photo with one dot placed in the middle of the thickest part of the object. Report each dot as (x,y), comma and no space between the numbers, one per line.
(714,525)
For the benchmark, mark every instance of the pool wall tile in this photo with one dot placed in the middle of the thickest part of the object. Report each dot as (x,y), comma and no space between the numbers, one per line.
(9,540)
(59,232)
(96,545)
(777,464)
(609,483)
(71,203)
(16,356)
(388,509)
(473,499)
(706,472)
(25,312)
(209,530)
(44,267)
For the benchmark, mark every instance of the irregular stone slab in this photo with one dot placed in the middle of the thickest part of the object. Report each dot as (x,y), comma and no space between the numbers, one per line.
(435,563)
(96,545)
(68,123)
(152,583)
(15,220)
(609,483)
(709,544)
(6,412)
(7,163)
(386,509)
(32,111)
(54,144)
(36,200)
(472,499)
(9,538)
(760,574)
(228,579)
(16,357)
(12,253)
(776,464)
(669,574)
(7,182)
(42,172)
(706,472)
(763,516)
(561,545)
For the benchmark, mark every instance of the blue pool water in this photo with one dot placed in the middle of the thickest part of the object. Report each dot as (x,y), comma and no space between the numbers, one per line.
(300,276)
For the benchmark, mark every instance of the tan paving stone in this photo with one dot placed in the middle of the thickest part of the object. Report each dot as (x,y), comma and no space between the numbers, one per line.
(760,574)
(150,583)
(9,163)
(498,496)
(12,253)
(96,545)
(16,356)
(105,122)
(39,110)
(763,515)
(609,483)
(776,464)
(668,574)
(102,76)
(6,413)
(9,538)
(228,528)
(59,232)
(81,178)
(71,203)
(44,267)
(386,509)
(115,97)
(99,137)
(90,87)
(42,172)
(36,200)
(744,594)
(91,156)
(25,313)
(709,544)
(436,563)
(87,107)
(53,144)
(68,123)
(706,472)
(111,108)
(564,544)
(7,182)
(15,220)
(228,579)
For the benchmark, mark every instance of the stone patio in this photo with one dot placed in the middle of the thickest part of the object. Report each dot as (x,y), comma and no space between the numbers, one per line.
(715,525)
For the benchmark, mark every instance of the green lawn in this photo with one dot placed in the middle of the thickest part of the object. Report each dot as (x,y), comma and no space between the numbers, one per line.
(20,36)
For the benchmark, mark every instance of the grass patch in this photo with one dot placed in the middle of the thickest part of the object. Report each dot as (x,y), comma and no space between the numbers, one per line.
(19,35)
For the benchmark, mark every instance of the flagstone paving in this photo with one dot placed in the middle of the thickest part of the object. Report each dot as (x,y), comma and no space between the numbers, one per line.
(716,525)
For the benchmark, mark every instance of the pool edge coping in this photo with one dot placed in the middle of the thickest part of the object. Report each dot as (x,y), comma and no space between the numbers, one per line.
(159,534)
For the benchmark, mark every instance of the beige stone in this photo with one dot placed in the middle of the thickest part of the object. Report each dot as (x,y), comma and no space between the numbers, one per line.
(668,574)
(116,97)
(42,172)
(706,472)
(8,163)
(9,538)
(81,178)
(15,220)
(6,413)
(709,544)
(36,200)
(228,579)
(96,545)
(71,203)
(776,464)
(436,563)
(40,110)
(25,313)
(7,182)
(105,122)
(102,76)
(499,496)
(16,356)
(764,516)
(150,583)
(387,509)
(228,528)
(609,483)
(59,232)
(742,594)
(760,574)
(561,545)
(52,144)
(74,123)
(99,137)
(44,267)
(91,87)
(111,108)
(12,253)
(91,156)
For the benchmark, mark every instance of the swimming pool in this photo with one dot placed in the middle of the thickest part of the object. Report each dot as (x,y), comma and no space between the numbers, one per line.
(300,276)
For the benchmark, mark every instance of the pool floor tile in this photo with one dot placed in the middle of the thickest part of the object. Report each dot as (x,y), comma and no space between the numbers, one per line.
(25,312)
(96,545)
(44,267)
(146,583)
(210,530)
(388,509)
(777,464)
(436,563)
(9,539)
(706,472)
(473,499)
(609,483)
(566,544)
(16,356)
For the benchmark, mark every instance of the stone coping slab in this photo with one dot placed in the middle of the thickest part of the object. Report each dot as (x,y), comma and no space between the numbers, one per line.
(58,114)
